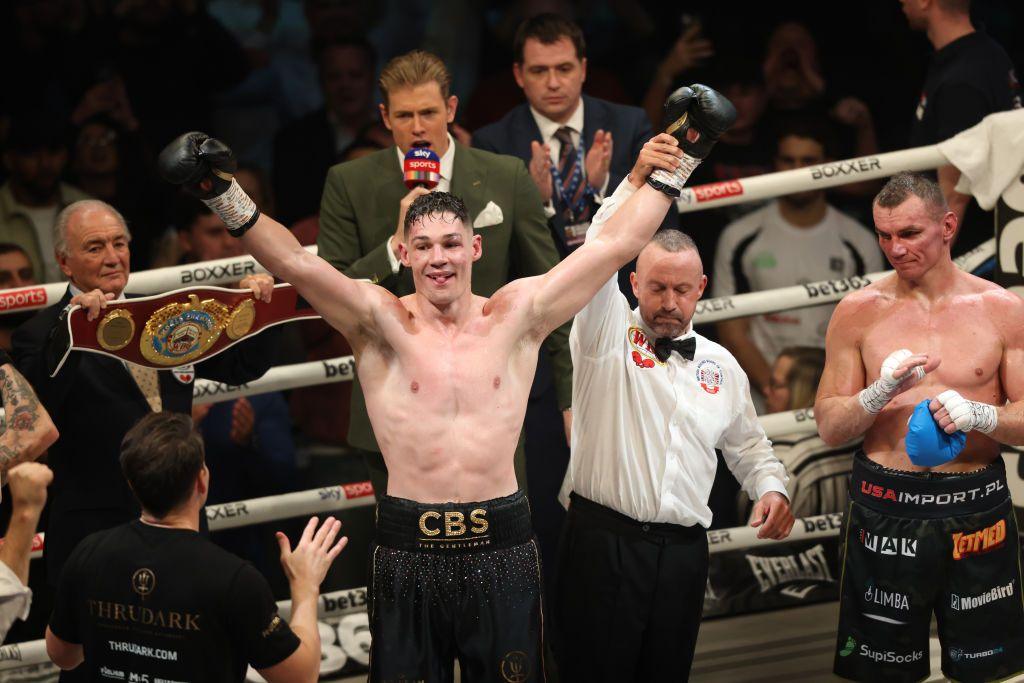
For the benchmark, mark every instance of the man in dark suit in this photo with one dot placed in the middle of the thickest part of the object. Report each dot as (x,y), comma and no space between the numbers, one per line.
(359,216)
(578,149)
(94,399)
(307,148)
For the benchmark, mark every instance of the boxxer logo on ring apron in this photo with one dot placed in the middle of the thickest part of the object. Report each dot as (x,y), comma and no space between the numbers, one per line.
(710,376)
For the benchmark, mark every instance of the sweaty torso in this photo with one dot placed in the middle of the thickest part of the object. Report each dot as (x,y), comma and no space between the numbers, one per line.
(447,402)
(958,328)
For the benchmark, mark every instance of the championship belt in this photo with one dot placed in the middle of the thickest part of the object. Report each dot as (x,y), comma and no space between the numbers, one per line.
(178,328)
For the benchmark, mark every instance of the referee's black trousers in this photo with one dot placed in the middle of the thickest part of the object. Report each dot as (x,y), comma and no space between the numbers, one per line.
(629,597)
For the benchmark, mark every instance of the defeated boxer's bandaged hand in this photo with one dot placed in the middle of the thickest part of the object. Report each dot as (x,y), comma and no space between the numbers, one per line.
(968,415)
(927,444)
(875,397)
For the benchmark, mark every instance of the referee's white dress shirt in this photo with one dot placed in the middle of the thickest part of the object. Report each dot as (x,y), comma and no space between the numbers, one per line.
(644,432)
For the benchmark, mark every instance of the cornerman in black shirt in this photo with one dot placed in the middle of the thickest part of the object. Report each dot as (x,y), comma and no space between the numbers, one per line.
(969,77)
(153,600)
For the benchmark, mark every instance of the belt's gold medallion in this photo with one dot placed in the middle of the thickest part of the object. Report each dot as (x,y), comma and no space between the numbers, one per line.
(116,330)
(177,334)
(241,319)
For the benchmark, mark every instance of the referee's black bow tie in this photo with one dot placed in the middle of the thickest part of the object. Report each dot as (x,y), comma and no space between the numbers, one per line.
(663,347)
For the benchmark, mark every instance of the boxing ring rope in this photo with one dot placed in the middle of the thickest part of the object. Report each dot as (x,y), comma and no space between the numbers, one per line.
(831,174)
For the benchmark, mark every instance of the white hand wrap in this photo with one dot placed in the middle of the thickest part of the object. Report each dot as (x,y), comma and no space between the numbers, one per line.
(235,208)
(873,398)
(967,414)
(678,177)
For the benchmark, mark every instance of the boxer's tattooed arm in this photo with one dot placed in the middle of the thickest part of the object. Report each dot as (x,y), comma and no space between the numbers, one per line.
(23,432)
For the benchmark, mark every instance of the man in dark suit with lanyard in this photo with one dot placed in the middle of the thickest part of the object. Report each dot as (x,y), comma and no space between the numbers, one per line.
(577,148)
(94,400)
(360,222)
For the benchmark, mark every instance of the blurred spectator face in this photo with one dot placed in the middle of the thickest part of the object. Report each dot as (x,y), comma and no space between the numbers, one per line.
(418,116)
(749,100)
(144,14)
(15,270)
(551,77)
(97,254)
(797,152)
(48,16)
(777,398)
(96,150)
(35,173)
(334,18)
(346,76)
(915,14)
(208,239)
(791,72)
(667,286)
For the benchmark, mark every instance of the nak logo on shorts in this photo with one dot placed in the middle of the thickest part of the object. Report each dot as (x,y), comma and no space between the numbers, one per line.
(978,542)
(888,545)
(643,351)
(710,376)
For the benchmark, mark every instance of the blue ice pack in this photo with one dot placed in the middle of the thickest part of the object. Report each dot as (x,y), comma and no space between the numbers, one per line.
(927,444)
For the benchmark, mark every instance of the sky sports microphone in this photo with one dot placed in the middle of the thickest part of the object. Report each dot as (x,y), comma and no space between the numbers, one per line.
(422,168)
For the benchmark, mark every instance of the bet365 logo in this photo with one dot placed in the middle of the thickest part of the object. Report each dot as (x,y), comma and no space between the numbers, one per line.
(848,649)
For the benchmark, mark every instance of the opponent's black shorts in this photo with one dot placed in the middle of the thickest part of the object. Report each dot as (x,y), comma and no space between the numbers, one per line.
(455,580)
(917,543)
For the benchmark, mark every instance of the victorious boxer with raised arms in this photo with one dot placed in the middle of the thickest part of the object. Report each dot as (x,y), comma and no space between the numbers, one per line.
(931,525)
(446,376)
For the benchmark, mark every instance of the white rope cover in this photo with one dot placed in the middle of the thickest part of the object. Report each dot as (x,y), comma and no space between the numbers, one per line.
(770,185)
(218,272)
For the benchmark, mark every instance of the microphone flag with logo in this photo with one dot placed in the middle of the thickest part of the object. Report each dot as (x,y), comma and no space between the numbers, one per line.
(422,168)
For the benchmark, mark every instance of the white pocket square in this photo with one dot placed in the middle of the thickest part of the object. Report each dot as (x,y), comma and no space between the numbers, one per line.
(491,215)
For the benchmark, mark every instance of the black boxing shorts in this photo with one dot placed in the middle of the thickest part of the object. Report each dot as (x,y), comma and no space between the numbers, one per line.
(455,580)
(914,543)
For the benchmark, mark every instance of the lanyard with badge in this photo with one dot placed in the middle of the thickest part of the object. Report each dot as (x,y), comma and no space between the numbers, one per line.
(576,178)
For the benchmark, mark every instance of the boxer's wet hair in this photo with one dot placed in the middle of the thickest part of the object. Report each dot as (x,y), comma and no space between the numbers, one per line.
(548,28)
(161,456)
(442,205)
(906,184)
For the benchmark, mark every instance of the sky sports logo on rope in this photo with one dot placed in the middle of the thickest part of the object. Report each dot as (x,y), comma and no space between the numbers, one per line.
(887,656)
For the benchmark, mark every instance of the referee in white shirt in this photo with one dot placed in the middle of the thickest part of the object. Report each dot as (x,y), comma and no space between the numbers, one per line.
(652,400)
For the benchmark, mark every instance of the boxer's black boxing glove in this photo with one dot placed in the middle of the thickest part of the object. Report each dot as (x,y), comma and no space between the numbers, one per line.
(205,167)
(697,116)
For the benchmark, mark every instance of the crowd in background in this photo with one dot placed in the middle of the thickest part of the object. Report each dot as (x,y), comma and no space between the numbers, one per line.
(93,89)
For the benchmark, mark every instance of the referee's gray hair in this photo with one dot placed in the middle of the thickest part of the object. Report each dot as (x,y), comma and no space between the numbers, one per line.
(60,226)
(673,240)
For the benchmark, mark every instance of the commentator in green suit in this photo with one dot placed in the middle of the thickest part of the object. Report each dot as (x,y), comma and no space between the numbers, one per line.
(359,216)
